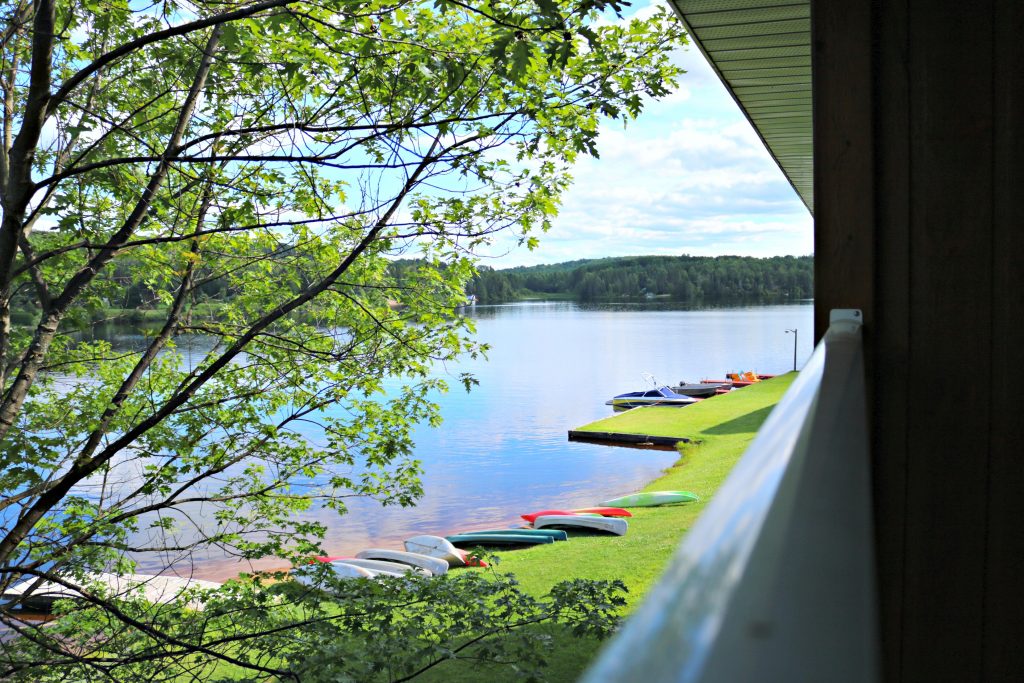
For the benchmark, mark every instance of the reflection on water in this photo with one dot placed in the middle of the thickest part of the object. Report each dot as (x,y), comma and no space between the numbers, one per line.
(503,448)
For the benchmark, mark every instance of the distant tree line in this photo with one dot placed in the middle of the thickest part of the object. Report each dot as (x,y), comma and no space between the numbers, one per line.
(679,278)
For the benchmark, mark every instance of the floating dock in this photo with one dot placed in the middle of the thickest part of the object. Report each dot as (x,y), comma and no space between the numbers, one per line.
(624,439)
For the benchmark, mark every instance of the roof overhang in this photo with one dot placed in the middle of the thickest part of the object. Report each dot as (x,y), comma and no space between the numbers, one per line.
(761,49)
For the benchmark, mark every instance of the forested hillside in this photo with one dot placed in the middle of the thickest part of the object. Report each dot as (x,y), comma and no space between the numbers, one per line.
(680,278)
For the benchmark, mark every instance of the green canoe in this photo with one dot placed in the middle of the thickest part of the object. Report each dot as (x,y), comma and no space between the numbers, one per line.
(651,499)
(556,534)
(503,539)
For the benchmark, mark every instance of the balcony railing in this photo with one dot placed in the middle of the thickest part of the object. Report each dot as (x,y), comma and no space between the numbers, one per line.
(775,582)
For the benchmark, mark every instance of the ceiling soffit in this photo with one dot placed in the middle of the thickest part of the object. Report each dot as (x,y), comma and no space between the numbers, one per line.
(762,53)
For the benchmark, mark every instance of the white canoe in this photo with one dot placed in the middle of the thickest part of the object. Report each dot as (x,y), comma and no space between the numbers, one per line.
(612,525)
(385,567)
(435,546)
(307,577)
(433,565)
(155,589)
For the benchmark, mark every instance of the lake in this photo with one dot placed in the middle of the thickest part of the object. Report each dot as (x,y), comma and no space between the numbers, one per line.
(503,448)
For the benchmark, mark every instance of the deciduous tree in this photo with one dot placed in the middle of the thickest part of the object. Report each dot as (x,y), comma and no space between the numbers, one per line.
(250,169)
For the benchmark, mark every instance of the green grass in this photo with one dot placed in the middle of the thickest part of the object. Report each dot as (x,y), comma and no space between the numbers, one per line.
(724,426)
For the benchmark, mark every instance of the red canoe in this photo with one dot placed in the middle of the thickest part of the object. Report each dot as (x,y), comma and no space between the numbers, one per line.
(602,511)
(606,512)
(534,515)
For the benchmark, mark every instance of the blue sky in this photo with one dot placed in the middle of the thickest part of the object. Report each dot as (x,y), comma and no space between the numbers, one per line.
(689,177)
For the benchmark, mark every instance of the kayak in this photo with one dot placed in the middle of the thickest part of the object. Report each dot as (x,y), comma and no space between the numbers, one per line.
(472,540)
(379,566)
(604,512)
(433,565)
(340,569)
(435,546)
(155,589)
(553,533)
(652,498)
(530,516)
(612,525)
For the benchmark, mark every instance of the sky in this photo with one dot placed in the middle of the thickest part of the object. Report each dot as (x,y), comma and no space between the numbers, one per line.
(690,176)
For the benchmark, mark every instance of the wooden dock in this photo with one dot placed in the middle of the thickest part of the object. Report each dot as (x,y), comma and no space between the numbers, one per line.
(623,439)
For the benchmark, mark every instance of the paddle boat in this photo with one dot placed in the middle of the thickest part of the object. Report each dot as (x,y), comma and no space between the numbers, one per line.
(736,380)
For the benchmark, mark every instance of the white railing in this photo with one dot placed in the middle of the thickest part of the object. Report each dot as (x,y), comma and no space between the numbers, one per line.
(775,582)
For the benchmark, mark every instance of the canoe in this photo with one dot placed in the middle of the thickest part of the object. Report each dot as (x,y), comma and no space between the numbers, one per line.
(530,516)
(380,566)
(553,533)
(652,498)
(433,565)
(472,540)
(435,546)
(604,512)
(341,570)
(611,525)
(154,589)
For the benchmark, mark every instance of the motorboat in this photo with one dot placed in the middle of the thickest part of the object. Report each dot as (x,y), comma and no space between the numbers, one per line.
(700,389)
(661,396)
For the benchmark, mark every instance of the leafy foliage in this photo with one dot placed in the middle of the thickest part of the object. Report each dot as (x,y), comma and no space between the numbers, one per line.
(384,629)
(248,171)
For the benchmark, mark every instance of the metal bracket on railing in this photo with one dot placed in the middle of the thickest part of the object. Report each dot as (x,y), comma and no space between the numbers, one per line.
(845,319)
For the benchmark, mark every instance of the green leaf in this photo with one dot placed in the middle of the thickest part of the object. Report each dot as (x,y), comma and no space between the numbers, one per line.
(521,54)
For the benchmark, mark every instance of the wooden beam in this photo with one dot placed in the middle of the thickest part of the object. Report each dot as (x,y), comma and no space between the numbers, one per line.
(843,154)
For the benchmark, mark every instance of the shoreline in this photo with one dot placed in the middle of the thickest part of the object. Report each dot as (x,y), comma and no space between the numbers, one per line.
(715,424)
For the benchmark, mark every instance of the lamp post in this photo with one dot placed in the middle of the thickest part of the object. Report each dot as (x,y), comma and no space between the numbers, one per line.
(794,347)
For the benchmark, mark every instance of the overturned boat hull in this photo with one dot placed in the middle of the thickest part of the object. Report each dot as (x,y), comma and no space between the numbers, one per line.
(433,565)
(611,525)
(653,499)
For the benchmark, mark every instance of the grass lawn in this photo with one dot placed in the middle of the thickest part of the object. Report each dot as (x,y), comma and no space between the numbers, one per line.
(724,425)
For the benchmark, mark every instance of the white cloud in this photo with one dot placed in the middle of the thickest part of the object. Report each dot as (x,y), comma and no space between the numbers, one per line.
(690,176)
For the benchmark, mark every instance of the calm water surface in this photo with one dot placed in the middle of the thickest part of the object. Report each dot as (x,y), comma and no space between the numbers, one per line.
(503,448)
